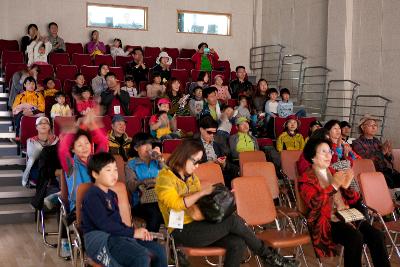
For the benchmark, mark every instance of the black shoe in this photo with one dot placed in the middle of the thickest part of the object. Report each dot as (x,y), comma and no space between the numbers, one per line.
(274,259)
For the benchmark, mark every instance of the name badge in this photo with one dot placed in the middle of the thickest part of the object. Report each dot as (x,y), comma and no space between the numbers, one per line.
(117,109)
(176,219)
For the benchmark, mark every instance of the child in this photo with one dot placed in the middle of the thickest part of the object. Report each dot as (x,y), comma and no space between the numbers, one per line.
(162,125)
(242,110)
(224,127)
(107,239)
(179,102)
(130,86)
(116,49)
(38,51)
(155,89)
(49,85)
(290,139)
(315,125)
(79,83)
(196,103)
(271,106)
(60,108)
(285,107)
(86,102)
(223,91)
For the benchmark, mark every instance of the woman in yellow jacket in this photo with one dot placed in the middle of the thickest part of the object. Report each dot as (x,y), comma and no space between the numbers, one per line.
(178,189)
(28,103)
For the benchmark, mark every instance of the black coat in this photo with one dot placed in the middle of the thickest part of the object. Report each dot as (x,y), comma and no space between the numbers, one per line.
(108,96)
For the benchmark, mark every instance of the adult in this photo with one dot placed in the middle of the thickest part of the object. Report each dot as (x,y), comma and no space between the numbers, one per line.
(32,35)
(99,83)
(324,194)
(260,96)
(205,58)
(345,129)
(240,86)
(243,140)
(58,45)
(178,189)
(117,50)
(212,151)
(202,81)
(17,81)
(114,100)
(141,172)
(95,47)
(163,62)
(118,140)
(211,106)
(136,68)
(370,147)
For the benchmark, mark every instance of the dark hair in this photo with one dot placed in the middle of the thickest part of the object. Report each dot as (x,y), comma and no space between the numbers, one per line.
(34,66)
(258,91)
(169,87)
(201,44)
(320,133)
(58,94)
(45,81)
(119,40)
(155,74)
(208,122)
(197,87)
(177,160)
(310,149)
(86,88)
(32,26)
(79,74)
(272,90)
(137,49)
(243,97)
(98,161)
(224,107)
(138,140)
(209,90)
(91,34)
(109,74)
(52,24)
(330,124)
(287,122)
(99,69)
(284,91)
(312,124)
(201,75)
(29,79)
(343,124)
(129,78)
(78,134)
(239,67)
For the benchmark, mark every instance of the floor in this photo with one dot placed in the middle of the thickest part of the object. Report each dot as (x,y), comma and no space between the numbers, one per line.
(21,245)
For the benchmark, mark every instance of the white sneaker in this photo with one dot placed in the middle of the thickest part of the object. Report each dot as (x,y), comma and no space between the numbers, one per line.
(51,201)
(65,251)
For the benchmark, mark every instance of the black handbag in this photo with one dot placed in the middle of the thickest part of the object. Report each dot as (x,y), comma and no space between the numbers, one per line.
(218,205)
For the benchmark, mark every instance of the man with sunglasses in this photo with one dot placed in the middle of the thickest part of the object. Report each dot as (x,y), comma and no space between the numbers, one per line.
(213,151)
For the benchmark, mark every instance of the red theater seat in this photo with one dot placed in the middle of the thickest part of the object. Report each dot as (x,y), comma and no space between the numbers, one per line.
(81,59)
(66,72)
(168,146)
(74,48)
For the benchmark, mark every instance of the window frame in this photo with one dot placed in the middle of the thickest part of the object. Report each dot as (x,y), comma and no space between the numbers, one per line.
(229,15)
(145,9)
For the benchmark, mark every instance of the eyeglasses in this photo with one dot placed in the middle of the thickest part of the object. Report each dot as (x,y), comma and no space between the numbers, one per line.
(195,162)
(211,132)
(371,125)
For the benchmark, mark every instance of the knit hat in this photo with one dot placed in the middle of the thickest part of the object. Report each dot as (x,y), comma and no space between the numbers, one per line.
(40,119)
(367,117)
(164,54)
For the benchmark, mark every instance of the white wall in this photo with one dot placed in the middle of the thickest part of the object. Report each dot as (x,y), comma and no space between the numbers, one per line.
(70,15)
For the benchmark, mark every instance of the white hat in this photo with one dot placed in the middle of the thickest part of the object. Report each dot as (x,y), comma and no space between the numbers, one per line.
(39,120)
(164,54)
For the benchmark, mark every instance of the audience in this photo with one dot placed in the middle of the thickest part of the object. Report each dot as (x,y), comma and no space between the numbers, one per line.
(60,108)
(163,62)
(211,106)
(345,129)
(271,106)
(38,50)
(162,125)
(314,125)
(49,87)
(58,45)
(370,147)
(240,86)
(290,139)
(85,103)
(243,140)
(32,35)
(179,102)
(285,106)
(205,58)
(197,102)
(323,194)
(136,68)
(107,239)
(18,81)
(114,100)
(118,141)
(223,91)
(178,189)
(225,127)
(261,96)
(79,83)
(242,110)
(117,50)
(99,84)
(141,172)
(95,47)
(202,81)
(156,89)
(131,87)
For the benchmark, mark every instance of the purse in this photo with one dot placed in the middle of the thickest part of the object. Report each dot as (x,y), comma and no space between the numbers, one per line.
(349,215)
(147,194)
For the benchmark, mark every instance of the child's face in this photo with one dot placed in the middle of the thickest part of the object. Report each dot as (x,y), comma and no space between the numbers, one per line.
(41,50)
(157,80)
(163,107)
(80,80)
(30,86)
(285,97)
(60,100)
(108,175)
(164,60)
(53,29)
(292,125)
(263,86)
(175,86)
(219,81)
(243,102)
(50,84)
(144,151)
(129,84)
(273,96)
(198,93)
(85,95)
(117,43)
(229,112)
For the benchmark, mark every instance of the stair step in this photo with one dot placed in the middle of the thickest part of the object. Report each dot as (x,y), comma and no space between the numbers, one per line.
(14,160)
(8,148)
(6,114)
(16,213)
(15,194)
(10,177)
(4,95)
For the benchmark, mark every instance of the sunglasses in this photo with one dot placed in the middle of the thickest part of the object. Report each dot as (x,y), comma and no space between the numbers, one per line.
(211,132)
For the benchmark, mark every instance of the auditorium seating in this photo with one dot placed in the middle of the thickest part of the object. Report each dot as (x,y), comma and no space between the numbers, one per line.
(66,72)
(56,59)
(81,59)
(74,48)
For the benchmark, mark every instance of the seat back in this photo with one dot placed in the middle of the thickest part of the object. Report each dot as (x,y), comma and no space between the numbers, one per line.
(253,200)
(150,62)
(123,203)
(106,120)
(233,75)
(45,72)
(60,122)
(288,162)
(376,192)
(223,65)
(8,45)
(122,61)
(81,59)
(151,51)
(396,158)
(169,145)
(250,156)
(119,73)
(301,206)
(58,59)
(266,170)
(67,88)
(89,72)
(11,57)
(104,59)
(263,142)
(66,72)
(209,173)
(80,195)
(28,129)
(12,68)
(121,167)
(74,48)
(133,125)
(184,63)
(140,106)
(362,165)
(195,74)
(187,53)
(187,123)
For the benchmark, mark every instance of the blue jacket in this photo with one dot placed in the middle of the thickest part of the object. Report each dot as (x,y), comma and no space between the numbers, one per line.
(78,176)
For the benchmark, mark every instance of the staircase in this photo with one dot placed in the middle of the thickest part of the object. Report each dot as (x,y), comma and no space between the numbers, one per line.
(14,199)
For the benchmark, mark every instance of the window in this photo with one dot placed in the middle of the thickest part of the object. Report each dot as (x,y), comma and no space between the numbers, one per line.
(204,23)
(116,17)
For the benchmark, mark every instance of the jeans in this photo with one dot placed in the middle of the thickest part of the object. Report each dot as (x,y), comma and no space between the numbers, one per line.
(150,212)
(130,252)
(353,239)
(231,234)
